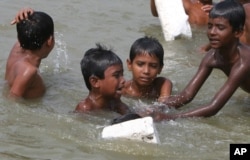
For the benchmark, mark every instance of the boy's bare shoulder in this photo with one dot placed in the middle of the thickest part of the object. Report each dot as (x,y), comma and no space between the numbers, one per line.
(83,106)
(24,67)
(161,80)
(244,52)
(162,83)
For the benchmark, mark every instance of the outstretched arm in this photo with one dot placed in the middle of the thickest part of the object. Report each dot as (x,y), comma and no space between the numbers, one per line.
(153,8)
(236,77)
(193,86)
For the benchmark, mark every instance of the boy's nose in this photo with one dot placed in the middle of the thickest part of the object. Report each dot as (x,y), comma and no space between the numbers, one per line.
(146,69)
(212,30)
(122,80)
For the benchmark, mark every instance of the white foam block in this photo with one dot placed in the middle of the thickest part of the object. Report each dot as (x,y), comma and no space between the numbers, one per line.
(141,129)
(173,18)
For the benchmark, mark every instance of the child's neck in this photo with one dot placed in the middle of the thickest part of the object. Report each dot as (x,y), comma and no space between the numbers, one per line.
(230,54)
(143,91)
(98,101)
(32,57)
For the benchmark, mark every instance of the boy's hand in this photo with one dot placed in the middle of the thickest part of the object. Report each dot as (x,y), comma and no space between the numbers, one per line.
(207,8)
(22,14)
(157,115)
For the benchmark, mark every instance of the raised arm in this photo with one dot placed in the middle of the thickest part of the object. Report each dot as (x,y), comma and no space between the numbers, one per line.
(153,8)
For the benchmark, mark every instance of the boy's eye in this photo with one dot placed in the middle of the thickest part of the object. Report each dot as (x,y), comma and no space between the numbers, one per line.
(209,26)
(154,65)
(221,27)
(118,74)
(139,63)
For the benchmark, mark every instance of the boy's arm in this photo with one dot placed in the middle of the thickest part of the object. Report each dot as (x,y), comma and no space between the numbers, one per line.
(153,8)
(23,80)
(193,86)
(165,88)
(245,38)
(207,8)
(22,14)
(219,100)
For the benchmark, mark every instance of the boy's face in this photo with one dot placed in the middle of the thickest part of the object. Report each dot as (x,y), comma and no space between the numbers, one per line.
(144,68)
(220,32)
(113,82)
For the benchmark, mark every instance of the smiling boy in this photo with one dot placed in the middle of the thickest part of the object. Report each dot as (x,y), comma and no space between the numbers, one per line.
(225,26)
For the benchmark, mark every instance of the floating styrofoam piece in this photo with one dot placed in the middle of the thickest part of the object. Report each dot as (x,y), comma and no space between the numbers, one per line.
(173,18)
(141,129)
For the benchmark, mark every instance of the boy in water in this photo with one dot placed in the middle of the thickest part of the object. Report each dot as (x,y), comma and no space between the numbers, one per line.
(225,27)
(102,71)
(245,38)
(35,32)
(146,62)
(197,10)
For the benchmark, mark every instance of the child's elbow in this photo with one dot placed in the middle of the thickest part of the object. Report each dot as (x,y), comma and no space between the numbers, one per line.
(212,111)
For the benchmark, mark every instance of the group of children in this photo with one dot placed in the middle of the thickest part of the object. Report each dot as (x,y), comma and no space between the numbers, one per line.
(102,69)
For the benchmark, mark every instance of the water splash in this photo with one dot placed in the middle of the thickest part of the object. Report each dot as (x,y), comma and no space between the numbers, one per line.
(58,59)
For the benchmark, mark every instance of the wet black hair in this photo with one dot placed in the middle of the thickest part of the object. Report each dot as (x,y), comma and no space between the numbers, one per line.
(232,10)
(95,61)
(35,30)
(148,45)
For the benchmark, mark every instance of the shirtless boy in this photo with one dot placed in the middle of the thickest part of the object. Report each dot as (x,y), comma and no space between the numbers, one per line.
(146,62)
(225,26)
(245,38)
(197,10)
(102,71)
(35,32)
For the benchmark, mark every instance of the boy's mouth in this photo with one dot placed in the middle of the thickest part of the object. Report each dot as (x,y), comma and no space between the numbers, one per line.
(213,41)
(119,90)
(145,79)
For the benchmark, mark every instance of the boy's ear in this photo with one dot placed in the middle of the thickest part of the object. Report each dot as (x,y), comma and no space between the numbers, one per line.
(160,69)
(94,81)
(238,33)
(129,64)
(50,41)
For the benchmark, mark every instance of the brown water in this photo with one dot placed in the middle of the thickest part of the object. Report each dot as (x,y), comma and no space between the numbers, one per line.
(45,129)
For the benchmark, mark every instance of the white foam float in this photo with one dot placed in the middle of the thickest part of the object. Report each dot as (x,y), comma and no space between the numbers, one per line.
(173,19)
(141,129)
